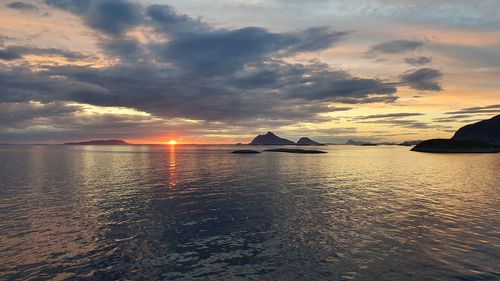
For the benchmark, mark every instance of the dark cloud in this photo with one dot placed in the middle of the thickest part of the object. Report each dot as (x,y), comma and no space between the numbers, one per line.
(423,79)
(390,115)
(112,17)
(28,114)
(453,118)
(396,47)
(418,61)
(494,108)
(213,74)
(17,52)
(411,124)
(74,6)
(220,51)
(394,119)
(166,20)
(23,6)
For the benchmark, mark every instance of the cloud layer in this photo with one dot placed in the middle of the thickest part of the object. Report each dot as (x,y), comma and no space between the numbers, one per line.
(165,65)
(191,69)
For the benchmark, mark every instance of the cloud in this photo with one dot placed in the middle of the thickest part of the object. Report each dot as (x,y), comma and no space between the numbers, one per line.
(410,124)
(166,20)
(74,6)
(112,17)
(395,47)
(418,61)
(17,52)
(448,119)
(389,115)
(494,108)
(394,119)
(223,50)
(29,114)
(423,79)
(200,72)
(22,6)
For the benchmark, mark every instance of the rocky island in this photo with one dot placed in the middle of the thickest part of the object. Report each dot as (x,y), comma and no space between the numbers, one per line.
(487,131)
(480,137)
(246,151)
(98,142)
(295,150)
(270,139)
(455,146)
(308,141)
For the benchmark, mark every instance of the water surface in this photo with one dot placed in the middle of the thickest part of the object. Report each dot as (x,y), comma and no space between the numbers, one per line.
(201,213)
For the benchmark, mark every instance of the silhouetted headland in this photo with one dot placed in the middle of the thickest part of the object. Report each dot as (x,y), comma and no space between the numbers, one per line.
(295,150)
(245,151)
(455,146)
(487,131)
(98,142)
(308,141)
(270,139)
(480,137)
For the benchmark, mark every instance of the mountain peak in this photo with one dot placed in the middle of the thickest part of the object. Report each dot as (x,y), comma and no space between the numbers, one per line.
(307,141)
(487,131)
(270,139)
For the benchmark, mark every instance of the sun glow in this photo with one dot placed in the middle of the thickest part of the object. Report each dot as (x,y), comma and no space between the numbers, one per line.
(172,142)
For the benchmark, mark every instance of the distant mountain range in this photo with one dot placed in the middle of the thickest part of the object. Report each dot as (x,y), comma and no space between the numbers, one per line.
(98,142)
(360,143)
(271,139)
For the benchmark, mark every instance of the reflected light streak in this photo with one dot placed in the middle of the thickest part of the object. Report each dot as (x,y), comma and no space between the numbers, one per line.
(172,177)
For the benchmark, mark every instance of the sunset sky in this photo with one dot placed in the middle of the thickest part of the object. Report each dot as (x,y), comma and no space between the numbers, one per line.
(221,71)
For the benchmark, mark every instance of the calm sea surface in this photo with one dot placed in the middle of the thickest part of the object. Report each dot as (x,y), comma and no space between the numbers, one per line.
(201,213)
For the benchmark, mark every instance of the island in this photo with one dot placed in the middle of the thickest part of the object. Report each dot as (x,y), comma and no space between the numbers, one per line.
(455,146)
(295,150)
(308,141)
(98,142)
(480,137)
(487,131)
(270,139)
(245,151)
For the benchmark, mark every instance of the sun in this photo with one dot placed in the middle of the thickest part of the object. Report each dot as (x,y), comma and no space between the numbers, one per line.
(172,142)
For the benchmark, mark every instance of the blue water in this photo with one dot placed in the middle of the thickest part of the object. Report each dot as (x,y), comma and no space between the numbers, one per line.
(201,213)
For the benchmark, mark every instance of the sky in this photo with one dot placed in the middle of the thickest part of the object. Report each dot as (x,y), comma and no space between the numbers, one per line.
(222,71)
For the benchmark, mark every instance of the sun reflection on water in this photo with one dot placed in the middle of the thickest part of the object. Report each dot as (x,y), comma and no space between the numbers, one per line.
(172,178)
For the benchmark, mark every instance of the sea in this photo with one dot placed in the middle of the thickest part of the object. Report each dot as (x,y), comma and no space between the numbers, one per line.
(198,212)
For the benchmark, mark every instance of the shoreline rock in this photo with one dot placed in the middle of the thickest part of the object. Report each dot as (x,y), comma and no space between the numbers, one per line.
(295,150)
(98,142)
(455,146)
(245,151)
